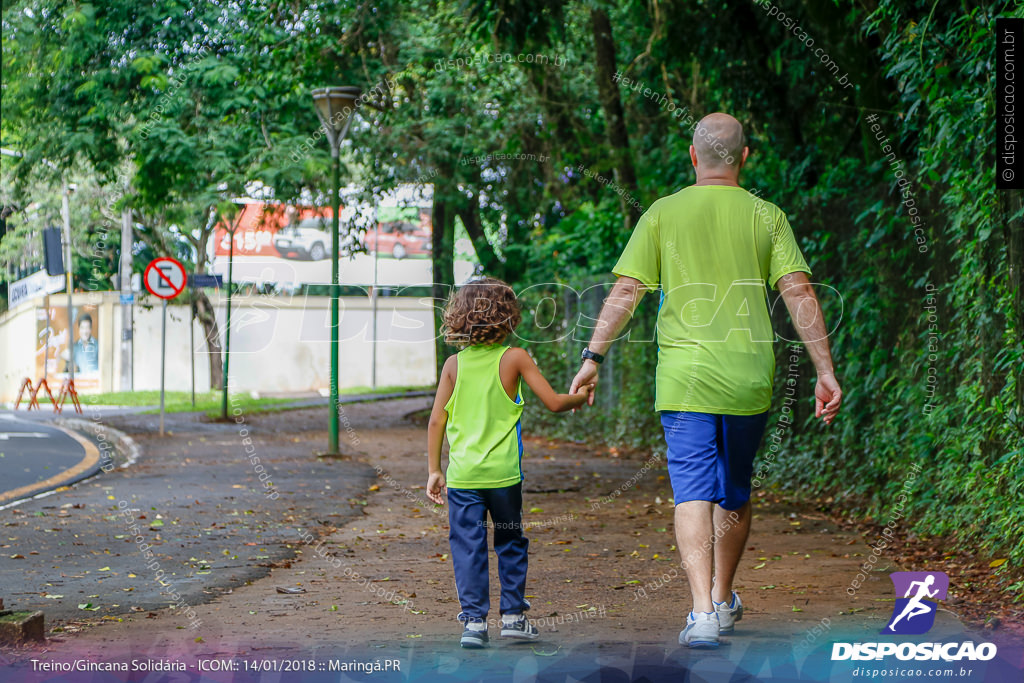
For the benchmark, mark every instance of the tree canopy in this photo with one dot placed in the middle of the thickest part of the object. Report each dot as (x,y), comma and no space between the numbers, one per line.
(545,128)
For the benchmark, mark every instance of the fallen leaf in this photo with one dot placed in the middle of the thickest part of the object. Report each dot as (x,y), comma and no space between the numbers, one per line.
(997,563)
(760,566)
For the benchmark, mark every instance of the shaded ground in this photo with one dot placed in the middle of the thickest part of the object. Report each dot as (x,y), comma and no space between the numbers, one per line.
(602,584)
(199,504)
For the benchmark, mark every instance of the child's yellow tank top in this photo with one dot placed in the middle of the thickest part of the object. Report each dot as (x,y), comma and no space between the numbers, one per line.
(484,430)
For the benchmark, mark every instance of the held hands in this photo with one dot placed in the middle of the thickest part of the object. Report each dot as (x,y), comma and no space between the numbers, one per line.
(585,393)
(586,377)
(827,397)
(436,487)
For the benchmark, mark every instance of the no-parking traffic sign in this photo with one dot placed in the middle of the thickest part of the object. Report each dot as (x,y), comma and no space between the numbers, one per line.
(165,277)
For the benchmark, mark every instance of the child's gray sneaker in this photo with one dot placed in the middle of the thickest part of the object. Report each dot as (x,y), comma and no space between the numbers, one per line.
(701,631)
(474,639)
(729,613)
(520,629)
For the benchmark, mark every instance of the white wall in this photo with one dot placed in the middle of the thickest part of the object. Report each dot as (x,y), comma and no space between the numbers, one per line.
(278,344)
(178,370)
(17,350)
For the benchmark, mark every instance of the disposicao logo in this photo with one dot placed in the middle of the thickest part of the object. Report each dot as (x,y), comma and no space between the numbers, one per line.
(914,614)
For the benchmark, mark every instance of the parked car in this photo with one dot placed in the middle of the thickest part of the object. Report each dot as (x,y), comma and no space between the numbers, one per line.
(309,239)
(398,238)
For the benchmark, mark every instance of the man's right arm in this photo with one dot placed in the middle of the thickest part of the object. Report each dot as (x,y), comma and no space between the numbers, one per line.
(809,321)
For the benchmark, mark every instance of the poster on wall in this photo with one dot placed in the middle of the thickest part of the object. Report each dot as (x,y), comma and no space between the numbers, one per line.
(59,345)
(291,245)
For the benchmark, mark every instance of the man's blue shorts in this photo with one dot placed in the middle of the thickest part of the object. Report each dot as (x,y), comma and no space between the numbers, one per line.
(711,457)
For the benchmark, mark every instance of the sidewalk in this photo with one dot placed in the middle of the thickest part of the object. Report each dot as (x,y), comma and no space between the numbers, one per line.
(601,582)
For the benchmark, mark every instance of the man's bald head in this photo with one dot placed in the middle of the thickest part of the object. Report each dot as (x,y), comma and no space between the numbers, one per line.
(718,141)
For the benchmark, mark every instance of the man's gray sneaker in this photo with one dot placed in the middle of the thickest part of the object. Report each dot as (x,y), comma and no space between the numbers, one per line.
(520,629)
(701,631)
(473,639)
(729,614)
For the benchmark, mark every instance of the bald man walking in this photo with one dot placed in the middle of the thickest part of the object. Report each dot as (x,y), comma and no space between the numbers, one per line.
(712,248)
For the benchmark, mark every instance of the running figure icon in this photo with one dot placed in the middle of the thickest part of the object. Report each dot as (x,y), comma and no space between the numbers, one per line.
(915,607)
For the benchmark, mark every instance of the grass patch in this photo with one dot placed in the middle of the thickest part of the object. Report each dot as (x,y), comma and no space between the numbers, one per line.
(210,402)
(174,401)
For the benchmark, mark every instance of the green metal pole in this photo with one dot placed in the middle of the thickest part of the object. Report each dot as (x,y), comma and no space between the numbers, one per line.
(332,426)
(227,331)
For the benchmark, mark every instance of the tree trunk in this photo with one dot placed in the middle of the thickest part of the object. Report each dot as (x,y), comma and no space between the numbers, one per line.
(442,258)
(208,319)
(204,308)
(469,213)
(611,104)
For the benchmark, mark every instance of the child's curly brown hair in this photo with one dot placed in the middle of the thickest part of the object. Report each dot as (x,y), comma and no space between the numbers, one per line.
(483,311)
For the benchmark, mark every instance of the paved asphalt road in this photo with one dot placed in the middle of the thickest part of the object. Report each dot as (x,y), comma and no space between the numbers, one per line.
(198,502)
(37,457)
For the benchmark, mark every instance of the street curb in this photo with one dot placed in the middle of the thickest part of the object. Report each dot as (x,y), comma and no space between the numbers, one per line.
(115,446)
(18,627)
(370,398)
(305,404)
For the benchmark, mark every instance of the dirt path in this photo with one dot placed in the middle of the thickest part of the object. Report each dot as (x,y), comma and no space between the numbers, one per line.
(604,577)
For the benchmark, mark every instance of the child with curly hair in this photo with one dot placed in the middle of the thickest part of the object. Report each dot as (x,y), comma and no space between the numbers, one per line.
(478,406)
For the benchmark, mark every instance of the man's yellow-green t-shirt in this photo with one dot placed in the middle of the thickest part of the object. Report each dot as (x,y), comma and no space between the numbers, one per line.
(712,249)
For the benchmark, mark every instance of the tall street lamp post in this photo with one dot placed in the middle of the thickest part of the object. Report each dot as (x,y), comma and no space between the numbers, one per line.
(231,225)
(334,107)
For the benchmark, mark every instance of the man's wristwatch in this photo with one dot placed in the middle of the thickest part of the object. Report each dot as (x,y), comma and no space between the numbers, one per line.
(590,355)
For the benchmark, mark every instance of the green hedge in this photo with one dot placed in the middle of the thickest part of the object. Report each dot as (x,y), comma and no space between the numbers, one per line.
(929,341)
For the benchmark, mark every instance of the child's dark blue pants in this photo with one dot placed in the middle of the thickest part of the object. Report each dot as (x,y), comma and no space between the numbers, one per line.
(467,517)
